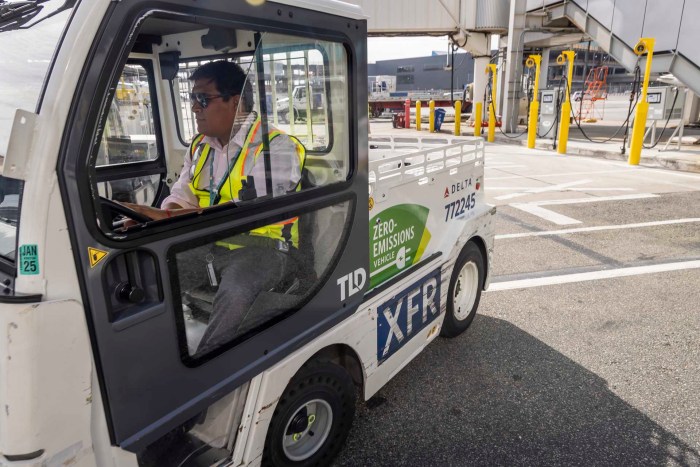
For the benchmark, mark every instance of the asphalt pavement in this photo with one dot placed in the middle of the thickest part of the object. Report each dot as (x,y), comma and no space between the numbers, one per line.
(586,348)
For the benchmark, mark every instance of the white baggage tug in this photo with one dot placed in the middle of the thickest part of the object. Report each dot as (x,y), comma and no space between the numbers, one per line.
(99,361)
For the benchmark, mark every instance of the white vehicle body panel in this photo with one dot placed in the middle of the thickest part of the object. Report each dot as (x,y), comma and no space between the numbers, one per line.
(360,331)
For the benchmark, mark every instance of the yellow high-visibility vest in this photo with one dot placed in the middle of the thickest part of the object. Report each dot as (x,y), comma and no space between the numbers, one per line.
(229,186)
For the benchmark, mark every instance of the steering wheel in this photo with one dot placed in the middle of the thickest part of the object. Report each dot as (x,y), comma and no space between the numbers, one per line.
(112,207)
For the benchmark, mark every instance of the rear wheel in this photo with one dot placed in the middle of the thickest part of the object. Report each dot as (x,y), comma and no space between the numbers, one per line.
(464,292)
(313,417)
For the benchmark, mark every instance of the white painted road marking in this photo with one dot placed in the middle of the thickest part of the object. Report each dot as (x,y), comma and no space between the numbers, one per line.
(622,165)
(535,207)
(560,174)
(522,188)
(592,276)
(546,214)
(544,189)
(598,228)
(508,166)
(594,199)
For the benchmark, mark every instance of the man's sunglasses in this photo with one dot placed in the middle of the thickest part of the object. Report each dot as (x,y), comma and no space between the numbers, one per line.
(203,99)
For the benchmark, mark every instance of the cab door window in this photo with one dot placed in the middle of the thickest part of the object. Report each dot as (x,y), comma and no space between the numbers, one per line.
(304,86)
(234,285)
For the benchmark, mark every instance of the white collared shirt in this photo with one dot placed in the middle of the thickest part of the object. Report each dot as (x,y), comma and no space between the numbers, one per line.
(284,162)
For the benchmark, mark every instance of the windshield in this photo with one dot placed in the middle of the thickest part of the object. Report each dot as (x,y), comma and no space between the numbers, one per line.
(29,33)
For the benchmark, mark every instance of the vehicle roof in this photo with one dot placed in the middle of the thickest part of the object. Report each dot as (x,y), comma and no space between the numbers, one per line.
(335,7)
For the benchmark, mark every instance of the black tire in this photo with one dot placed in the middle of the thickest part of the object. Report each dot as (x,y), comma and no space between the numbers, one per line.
(469,263)
(318,380)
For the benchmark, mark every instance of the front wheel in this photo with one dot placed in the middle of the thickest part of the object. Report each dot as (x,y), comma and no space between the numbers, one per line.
(313,417)
(464,292)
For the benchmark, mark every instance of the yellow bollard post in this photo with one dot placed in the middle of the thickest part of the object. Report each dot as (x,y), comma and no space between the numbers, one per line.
(431,115)
(566,57)
(645,45)
(418,106)
(477,118)
(491,68)
(458,118)
(533,60)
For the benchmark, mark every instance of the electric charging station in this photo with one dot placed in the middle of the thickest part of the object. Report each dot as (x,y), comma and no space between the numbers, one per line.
(665,103)
(548,112)
(661,105)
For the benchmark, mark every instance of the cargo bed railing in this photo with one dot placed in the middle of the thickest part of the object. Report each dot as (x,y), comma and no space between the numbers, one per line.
(394,161)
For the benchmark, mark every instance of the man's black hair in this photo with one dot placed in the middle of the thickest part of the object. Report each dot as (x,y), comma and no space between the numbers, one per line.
(229,78)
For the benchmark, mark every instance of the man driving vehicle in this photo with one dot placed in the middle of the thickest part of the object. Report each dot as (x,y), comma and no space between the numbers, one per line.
(221,160)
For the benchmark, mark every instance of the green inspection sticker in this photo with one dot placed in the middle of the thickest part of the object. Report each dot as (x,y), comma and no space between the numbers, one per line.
(29,260)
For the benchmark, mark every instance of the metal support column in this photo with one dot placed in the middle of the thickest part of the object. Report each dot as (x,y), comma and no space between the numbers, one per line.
(512,81)
(480,80)
(544,71)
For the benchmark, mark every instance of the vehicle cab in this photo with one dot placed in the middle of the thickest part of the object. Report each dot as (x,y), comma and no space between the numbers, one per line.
(106,311)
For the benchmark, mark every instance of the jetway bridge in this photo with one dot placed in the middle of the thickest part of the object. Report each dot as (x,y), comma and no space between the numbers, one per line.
(615,25)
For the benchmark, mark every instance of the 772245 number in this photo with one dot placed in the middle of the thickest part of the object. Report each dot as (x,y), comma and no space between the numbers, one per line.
(459,206)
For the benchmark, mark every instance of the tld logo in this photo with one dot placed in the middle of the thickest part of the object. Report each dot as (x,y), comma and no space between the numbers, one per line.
(352,283)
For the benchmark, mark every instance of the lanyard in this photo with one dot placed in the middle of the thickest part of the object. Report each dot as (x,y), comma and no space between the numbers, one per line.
(214,192)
